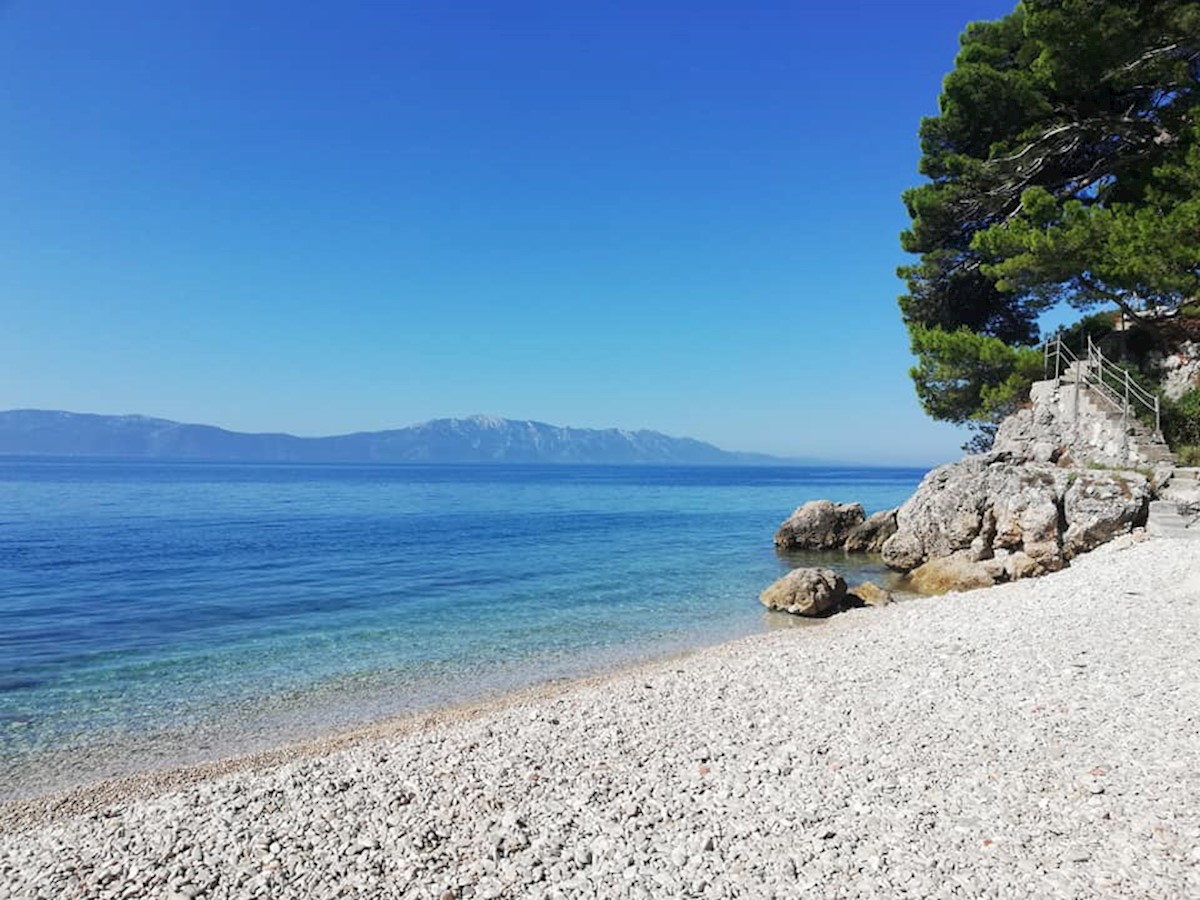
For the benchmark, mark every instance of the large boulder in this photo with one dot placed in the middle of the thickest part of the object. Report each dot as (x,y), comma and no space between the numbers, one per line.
(903,551)
(819,525)
(982,504)
(944,515)
(1024,512)
(870,536)
(1019,516)
(806,592)
(1042,432)
(1098,506)
(951,573)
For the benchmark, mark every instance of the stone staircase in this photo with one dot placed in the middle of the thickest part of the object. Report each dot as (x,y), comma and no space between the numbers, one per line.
(1138,443)
(1109,408)
(1144,443)
(1176,514)
(1108,412)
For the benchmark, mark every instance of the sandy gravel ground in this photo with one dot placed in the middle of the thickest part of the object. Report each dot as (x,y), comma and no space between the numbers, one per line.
(1037,739)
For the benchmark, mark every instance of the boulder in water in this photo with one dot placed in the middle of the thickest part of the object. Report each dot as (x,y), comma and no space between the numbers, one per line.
(869,537)
(806,592)
(819,525)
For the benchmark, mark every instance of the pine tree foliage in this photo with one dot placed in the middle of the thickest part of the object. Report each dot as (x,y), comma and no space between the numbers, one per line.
(1063,166)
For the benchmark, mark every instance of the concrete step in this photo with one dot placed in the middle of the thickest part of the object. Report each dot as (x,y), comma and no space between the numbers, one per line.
(1165,520)
(1142,442)
(1153,455)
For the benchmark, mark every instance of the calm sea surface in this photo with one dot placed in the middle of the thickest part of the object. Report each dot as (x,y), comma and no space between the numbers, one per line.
(156,613)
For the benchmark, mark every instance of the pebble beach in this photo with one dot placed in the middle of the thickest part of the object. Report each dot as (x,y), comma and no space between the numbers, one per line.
(1034,739)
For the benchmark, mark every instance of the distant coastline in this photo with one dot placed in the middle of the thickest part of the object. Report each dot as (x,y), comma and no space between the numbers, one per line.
(476,439)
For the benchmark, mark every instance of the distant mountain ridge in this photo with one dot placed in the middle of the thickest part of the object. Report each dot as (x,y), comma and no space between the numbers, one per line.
(476,439)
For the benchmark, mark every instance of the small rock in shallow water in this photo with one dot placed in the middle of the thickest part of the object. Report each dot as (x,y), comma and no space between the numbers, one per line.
(806,592)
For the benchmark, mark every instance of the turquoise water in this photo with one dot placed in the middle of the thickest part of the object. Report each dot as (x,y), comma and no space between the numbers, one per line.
(154,613)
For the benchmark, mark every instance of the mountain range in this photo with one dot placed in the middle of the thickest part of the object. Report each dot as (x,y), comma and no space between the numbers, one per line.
(476,439)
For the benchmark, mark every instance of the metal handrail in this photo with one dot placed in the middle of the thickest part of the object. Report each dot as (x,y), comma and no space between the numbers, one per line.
(1131,388)
(1109,380)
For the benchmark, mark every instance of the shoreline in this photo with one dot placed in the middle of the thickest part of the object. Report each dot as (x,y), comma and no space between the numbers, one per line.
(146,779)
(232,751)
(265,639)
(20,813)
(87,797)
(1038,737)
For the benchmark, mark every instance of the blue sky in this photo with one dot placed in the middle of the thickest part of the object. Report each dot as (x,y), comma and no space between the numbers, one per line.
(333,217)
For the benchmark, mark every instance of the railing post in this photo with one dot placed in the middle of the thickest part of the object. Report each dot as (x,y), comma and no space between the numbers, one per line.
(1125,416)
(1078,376)
(1057,358)
(1157,419)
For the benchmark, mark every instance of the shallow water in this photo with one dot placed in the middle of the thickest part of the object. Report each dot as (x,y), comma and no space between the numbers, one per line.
(155,613)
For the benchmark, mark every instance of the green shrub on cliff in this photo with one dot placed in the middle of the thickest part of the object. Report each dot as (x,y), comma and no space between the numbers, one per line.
(1181,421)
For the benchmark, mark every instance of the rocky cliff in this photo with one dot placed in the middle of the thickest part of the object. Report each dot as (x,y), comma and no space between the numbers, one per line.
(1064,476)
(1066,426)
(1179,370)
(996,517)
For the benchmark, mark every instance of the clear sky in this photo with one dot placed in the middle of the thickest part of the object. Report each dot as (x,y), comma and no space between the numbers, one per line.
(329,217)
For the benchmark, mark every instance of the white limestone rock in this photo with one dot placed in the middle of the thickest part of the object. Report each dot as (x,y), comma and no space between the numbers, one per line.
(819,525)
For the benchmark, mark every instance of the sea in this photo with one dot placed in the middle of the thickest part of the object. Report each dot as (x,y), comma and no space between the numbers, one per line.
(154,614)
